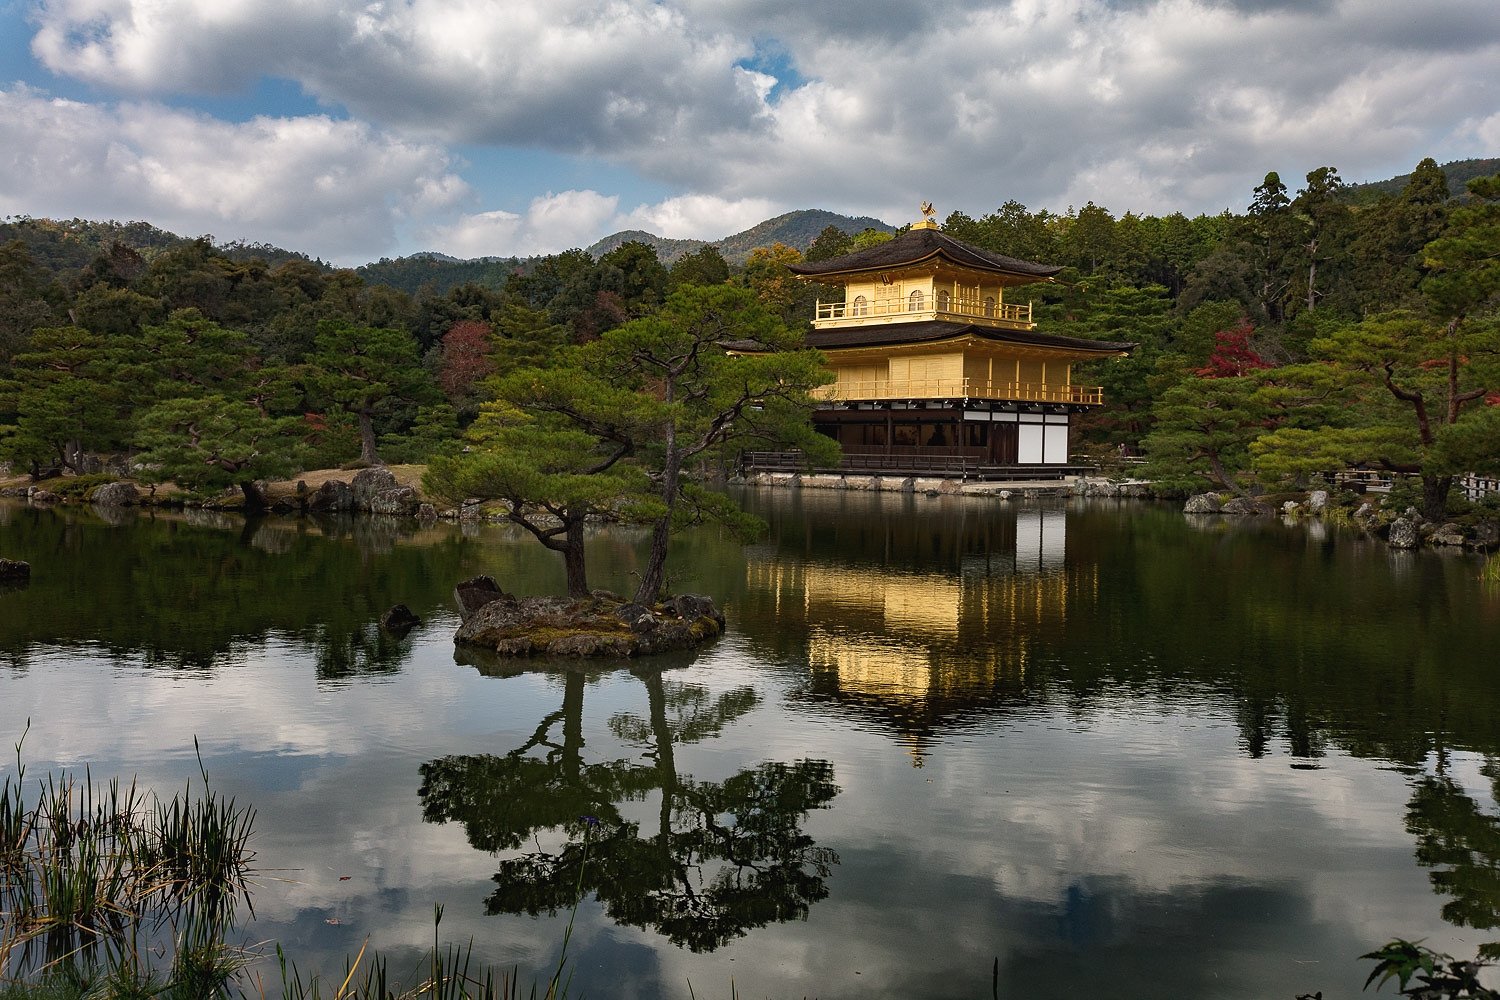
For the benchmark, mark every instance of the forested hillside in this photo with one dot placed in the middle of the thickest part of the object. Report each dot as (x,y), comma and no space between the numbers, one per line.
(64,246)
(439,273)
(1310,332)
(1458,172)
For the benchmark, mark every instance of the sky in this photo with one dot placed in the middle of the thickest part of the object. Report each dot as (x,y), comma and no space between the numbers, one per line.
(358,129)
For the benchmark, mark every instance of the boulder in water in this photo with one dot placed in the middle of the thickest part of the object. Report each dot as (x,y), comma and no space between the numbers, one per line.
(474,593)
(115,495)
(333,497)
(399,619)
(1403,534)
(1202,503)
(401,501)
(369,483)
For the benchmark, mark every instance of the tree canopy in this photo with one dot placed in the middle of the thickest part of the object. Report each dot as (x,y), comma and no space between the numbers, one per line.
(614,426)
(1382,299)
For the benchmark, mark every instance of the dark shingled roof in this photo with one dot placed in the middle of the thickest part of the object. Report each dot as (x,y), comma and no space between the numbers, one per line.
(917,245)
(916,333)
(746,346)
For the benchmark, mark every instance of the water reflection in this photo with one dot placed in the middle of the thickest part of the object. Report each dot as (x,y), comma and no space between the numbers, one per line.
(934,615)
(1141,741)
(920,621)
(1460,841)
(198,589)
(701,862)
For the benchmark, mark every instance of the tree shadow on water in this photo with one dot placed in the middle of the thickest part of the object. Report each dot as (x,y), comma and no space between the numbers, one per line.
(1460,842)
(717,859)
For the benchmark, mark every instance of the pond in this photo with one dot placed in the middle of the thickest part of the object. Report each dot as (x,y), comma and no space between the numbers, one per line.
(1114,749)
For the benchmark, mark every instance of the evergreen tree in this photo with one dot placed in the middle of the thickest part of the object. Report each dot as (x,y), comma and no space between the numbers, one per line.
(1202,433)
(23,298)
(359,369)
(527,338)
(1326,222)
(704,266)
(1271,235)
(830,243)
(692,396)
(69,399)
(211,442)
(553,473)
(1385,254)
(634,273)
(658,394)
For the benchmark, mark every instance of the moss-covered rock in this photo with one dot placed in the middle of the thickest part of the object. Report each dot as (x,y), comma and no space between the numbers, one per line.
(599,625)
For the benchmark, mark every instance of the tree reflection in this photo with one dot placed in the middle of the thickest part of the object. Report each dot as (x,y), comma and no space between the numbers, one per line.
(358,649)
(197,589)
(717,859)
(1461,843)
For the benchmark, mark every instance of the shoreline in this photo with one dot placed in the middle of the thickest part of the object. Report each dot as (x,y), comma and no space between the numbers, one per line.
(395,491)
(1021,489)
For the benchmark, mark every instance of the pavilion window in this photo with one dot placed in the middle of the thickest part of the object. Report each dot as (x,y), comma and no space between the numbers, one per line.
(942,300)
(989,305)
(915,301)
(861,305)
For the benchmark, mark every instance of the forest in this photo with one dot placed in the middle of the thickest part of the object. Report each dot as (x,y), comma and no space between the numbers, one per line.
(1324,327)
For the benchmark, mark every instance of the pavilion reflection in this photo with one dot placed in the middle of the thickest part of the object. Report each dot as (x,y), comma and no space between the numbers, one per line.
(926,648)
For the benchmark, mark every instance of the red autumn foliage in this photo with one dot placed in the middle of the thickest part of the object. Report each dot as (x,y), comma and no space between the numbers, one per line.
(467,347)
(1233,356)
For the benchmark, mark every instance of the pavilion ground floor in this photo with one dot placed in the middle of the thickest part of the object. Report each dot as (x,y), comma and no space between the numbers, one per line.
(982,440)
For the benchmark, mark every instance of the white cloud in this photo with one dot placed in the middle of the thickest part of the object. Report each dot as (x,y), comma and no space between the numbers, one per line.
(558,222)
(552,223)
(699,216)
(563,74)
(1486,131)
(333,187)
(1155,107)
(1145,105)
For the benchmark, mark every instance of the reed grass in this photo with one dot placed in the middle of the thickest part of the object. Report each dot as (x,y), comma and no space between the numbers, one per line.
(106,887)
(108,891)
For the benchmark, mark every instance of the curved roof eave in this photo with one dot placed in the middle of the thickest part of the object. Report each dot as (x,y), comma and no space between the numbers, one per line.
(935,331)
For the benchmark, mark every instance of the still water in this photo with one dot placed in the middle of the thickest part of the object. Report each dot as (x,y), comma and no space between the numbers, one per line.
(1122,752)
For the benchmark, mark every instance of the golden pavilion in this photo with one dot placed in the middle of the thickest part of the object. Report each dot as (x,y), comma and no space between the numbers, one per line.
(940,370)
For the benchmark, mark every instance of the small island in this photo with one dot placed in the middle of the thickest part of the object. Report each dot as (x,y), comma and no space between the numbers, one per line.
(600,624)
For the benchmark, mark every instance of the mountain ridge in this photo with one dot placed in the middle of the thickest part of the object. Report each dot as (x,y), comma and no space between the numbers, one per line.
(795,229)
(69,246)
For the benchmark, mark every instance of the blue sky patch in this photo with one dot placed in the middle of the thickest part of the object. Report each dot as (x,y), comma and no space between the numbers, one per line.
(508,179)
(773,59)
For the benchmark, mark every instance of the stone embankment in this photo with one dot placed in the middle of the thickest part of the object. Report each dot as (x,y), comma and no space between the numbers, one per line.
(934,487)
(378,490)
(369,491)
(1405,529)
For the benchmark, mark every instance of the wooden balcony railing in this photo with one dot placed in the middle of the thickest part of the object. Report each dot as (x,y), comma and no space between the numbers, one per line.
(829,312)
(959,388)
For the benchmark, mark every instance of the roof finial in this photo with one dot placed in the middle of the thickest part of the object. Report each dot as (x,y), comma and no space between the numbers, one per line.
(927,213)
(927,210)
